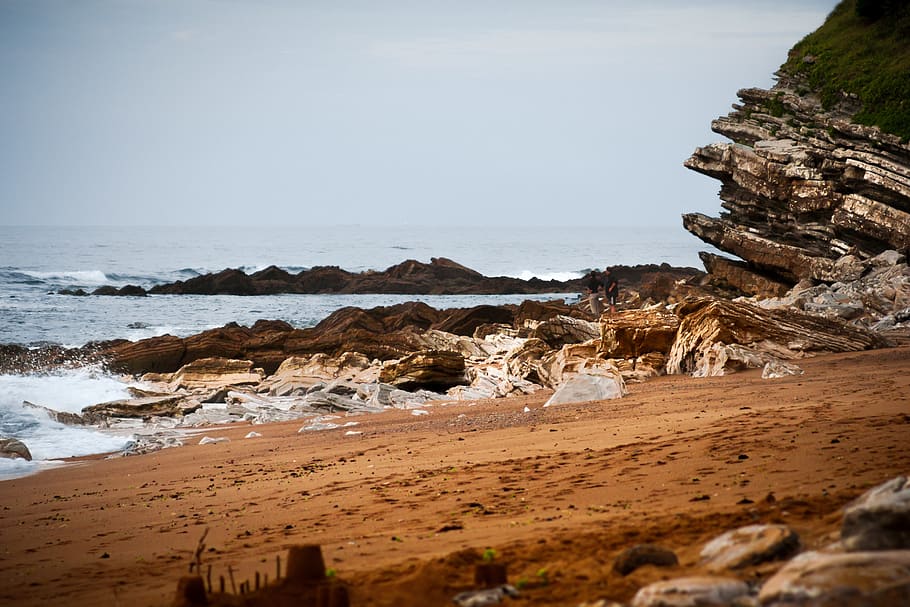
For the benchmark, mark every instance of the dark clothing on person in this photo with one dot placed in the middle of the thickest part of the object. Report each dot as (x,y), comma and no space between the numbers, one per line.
(611,288)
(594,287)
(593,281)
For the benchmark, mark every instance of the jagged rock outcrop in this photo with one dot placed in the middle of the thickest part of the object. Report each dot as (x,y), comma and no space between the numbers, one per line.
(716,333)
(802,187)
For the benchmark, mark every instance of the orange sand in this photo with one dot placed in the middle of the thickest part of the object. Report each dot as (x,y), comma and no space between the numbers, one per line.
(404,509)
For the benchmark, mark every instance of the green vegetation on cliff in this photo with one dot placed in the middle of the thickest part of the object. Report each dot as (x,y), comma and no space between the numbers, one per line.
(862,50)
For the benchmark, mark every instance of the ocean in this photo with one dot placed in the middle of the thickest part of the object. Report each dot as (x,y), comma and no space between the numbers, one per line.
(37,262)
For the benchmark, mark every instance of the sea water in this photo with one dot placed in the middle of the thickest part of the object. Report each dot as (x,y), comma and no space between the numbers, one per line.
(37,262)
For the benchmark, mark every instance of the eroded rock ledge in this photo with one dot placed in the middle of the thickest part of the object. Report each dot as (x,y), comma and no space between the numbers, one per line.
(807,194)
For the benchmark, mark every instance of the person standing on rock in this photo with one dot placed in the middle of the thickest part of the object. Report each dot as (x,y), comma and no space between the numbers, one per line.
(594,290)
(610,289)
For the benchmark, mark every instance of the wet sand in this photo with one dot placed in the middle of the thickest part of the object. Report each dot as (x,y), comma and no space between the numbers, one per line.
(404,509)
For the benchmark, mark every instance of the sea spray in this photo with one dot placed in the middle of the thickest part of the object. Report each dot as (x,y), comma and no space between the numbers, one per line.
(65,390)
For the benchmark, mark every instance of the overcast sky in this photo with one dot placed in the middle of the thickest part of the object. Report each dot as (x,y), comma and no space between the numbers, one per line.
(421,112)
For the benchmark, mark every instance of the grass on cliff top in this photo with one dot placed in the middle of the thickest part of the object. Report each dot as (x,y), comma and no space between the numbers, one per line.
(865,53)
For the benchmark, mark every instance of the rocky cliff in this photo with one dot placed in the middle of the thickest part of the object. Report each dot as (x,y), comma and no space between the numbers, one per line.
(807,192)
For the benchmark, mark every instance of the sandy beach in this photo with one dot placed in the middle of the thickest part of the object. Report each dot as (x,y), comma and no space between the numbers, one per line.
(404,509)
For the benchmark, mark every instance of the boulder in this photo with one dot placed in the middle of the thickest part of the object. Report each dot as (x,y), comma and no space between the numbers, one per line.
(704,591)
(432,369)
(13,448)
(867,579)
(632,558)
(561,330)
(749,545)
(584,387)
(879,519)
(556,366)
(215,373)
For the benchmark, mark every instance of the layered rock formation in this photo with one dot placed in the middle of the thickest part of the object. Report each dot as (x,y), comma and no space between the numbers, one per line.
(807,194)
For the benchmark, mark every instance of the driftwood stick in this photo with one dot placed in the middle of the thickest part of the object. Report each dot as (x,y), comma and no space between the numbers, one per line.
(231,575)
(197,555)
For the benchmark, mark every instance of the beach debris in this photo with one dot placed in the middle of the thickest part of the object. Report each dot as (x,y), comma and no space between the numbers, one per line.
(13,448)
(208,440)
(749,545)
(876,579)
(419,412)
(632,558)
(775,369)
(323,422)
(879,519)
(703,591)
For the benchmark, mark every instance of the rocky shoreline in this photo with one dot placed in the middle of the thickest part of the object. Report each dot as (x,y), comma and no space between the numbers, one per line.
(410,355)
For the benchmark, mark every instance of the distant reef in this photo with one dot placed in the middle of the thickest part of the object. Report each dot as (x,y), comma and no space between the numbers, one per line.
(439,277)
(816,182)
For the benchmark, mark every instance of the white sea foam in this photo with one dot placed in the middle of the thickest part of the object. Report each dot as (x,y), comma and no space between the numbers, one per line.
(46,439)
(81,277)
(561,276)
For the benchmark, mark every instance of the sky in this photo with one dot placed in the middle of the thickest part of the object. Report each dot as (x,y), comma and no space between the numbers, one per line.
(367,112)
